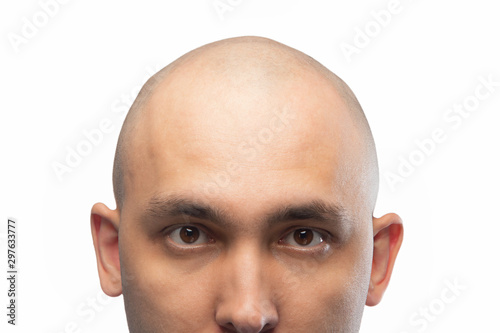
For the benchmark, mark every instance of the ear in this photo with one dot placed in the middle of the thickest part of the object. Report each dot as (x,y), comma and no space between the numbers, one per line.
(387,239)
(104,224)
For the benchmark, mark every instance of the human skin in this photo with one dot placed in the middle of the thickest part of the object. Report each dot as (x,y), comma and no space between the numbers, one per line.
(246,128)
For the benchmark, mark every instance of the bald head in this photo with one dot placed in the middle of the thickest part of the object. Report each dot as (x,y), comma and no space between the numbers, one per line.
(245,179)
(234,86)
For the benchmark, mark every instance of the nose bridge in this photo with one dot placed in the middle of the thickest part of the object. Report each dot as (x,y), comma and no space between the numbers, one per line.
(244,266)
(245,301)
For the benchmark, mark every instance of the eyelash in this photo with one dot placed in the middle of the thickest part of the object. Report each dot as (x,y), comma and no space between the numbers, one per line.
(169,231)
(324,237)
(289,234)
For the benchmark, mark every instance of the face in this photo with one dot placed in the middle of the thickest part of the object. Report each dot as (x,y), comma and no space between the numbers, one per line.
(246,212)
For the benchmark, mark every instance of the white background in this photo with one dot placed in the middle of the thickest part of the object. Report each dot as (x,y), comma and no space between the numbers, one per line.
(82,63)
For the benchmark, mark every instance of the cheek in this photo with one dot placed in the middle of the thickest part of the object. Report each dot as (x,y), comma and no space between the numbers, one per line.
(160,295)
(331,295)
(329,299)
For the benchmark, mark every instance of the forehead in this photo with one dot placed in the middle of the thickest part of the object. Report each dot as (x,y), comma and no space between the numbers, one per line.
(218,137)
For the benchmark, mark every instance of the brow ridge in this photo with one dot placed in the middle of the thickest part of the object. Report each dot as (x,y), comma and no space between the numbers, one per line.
(173,205)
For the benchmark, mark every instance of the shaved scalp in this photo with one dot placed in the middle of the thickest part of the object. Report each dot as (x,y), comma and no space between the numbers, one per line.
(232,57)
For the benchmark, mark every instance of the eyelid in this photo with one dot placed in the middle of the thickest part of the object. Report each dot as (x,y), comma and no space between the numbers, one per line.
(170,229)
(325,238)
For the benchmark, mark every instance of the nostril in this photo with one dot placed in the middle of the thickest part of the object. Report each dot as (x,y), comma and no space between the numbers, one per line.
(248,315)
(267,329)
(230,328)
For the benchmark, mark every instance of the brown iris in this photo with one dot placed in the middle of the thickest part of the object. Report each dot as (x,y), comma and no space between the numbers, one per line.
(303,236)
(189,234)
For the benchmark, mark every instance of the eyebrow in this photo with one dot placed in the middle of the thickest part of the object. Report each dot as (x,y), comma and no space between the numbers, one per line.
(172,205)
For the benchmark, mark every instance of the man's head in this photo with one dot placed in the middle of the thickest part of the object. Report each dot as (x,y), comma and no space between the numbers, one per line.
(245,180)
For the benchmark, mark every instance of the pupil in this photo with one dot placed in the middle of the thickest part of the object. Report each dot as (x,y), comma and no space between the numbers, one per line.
(303,236)
(189,234)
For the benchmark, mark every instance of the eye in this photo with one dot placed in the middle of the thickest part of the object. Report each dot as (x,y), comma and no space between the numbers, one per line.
(303,237)
(188,235)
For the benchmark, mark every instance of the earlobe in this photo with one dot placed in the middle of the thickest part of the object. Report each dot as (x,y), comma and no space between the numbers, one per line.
(387,239)
(104,224)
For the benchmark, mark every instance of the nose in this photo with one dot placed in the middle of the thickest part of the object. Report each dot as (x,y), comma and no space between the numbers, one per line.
(245,304)
(247,319)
